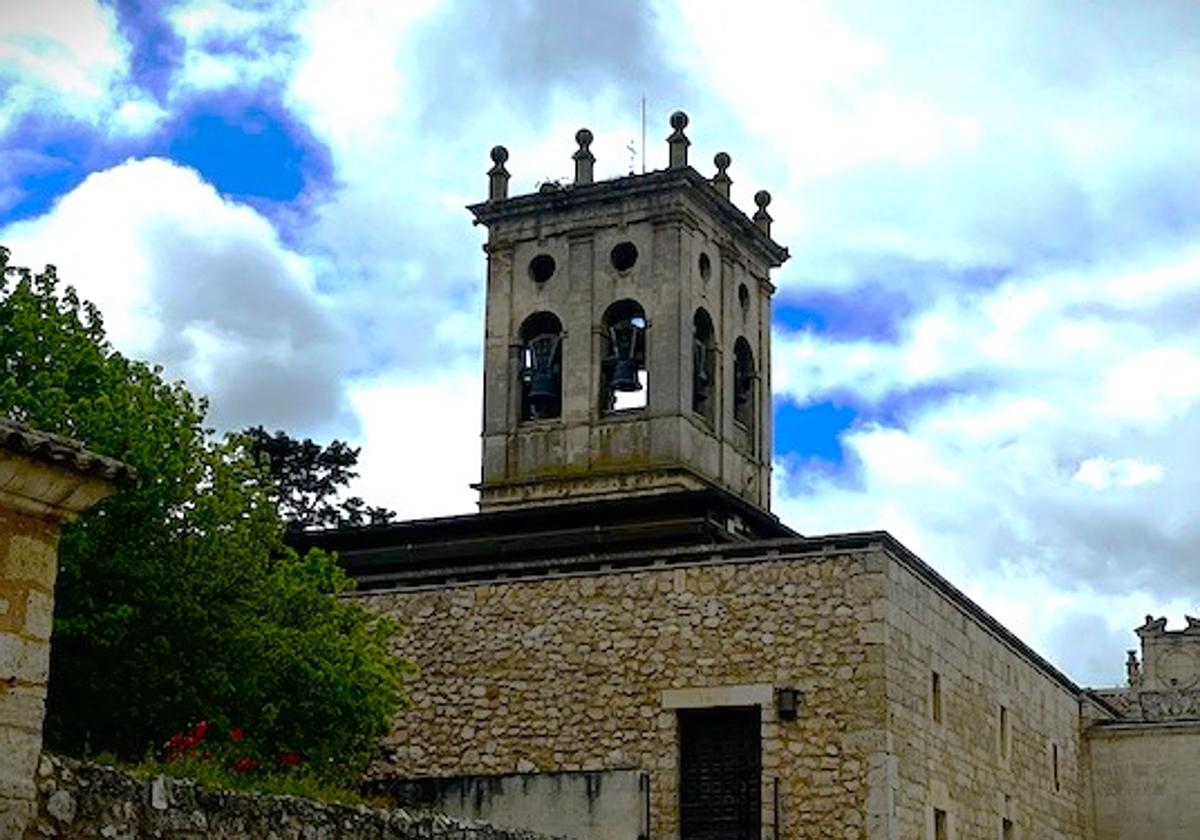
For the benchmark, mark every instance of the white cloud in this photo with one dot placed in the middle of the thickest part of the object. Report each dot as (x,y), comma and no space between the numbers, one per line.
(1101,473)
(226,45)
(994,462)
(202,285)
(420,442)
(68,57)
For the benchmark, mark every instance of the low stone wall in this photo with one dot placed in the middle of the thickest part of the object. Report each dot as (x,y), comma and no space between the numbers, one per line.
(78,800)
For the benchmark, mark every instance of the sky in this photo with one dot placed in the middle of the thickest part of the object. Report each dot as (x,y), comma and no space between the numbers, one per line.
(985,341)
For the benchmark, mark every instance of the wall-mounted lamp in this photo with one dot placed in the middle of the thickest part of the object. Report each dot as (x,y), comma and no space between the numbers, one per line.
(787,702)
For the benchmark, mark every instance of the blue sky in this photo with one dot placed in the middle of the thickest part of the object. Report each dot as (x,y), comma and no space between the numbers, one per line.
(984,341)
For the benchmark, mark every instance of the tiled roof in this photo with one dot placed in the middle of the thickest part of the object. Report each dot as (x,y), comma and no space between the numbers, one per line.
(63,452)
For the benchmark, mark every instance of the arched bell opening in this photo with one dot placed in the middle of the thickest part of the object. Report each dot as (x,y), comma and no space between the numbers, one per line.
(624,381)
(745,385)
(704,353)
(541,367)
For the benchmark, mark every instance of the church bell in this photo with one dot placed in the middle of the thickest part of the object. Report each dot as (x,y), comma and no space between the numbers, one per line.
(542,371)
(700,381)
(626,338)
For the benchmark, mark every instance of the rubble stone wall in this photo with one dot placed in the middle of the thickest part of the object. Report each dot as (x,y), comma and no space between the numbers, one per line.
(585,672)
(80,800)
(959,765)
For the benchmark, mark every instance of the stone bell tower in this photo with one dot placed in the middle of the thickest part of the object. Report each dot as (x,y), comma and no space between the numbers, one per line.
(628,335)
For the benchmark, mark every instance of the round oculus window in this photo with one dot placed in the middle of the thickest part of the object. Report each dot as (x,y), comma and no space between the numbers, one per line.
(623,256)
(541,267)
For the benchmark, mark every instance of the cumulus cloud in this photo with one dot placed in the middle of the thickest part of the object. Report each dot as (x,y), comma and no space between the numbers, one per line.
(68,58)
(992,212)
(1028,441)
(201,285)
(420,442)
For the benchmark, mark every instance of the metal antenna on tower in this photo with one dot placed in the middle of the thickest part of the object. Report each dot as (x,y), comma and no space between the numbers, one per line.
(643,135)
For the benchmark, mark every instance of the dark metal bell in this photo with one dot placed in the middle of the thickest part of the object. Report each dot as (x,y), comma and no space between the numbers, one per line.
(543,388)
(700,379)
(625,375)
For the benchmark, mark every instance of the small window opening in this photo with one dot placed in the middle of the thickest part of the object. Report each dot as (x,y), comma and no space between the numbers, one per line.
(941,830)
(935,694)
(623,256)
(744,383)
(541,268)
(541,367)
(744,298)
(703,364)
(705,267)
(1005,743)
(1054,766)
(1007,830)
(624,379)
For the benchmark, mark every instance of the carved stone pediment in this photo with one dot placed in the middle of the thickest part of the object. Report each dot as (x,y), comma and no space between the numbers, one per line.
(1170,705)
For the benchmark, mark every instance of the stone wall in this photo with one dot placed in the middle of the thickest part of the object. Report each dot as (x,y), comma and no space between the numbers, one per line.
(79,800)
(584,672)
(602,805)
(1144,781)
(961,765)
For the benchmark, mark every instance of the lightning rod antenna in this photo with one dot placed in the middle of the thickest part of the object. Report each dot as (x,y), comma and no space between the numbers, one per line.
(643,134)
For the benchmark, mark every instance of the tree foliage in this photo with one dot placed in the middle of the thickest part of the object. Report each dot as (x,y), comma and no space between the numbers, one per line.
(307,477)
(177,598)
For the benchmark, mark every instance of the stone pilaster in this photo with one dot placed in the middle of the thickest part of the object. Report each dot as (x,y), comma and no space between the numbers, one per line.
(45,481)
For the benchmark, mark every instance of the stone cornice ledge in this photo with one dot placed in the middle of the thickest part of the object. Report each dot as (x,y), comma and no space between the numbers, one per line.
(47,490)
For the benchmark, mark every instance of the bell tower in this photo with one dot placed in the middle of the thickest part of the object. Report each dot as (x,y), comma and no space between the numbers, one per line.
(628,335)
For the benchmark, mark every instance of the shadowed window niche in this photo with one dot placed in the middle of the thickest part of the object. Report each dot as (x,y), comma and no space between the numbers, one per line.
(744,385)
(541,367)
(624,379)
(703,365)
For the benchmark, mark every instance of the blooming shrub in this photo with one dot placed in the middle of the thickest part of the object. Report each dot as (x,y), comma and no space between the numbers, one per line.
(235,753)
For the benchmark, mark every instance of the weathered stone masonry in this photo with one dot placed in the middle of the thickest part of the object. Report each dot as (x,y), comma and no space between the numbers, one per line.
(569,673)
(80,800)
(958,765)
(45,481)
(583,672)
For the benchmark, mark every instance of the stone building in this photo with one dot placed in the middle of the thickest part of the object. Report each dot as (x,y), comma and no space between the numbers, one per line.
(625,642)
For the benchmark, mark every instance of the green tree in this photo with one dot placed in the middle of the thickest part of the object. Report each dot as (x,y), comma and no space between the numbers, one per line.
(177,598)
(307,478)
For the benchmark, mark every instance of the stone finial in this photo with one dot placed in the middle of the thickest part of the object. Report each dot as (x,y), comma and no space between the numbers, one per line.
(1133,669)
(498,175)
(584,159)
(678,142)
(721,181)
(761,217)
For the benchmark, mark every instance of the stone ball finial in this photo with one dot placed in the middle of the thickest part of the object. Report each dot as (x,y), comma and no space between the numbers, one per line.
(721,181)
(678,142)
(498,175)
(584,159)
(762,218)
